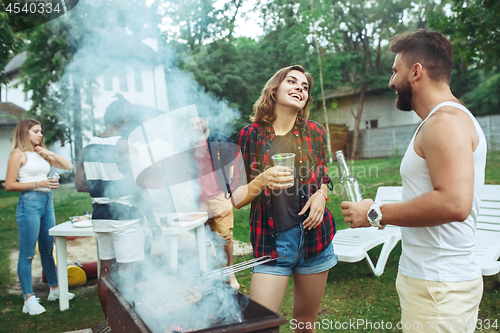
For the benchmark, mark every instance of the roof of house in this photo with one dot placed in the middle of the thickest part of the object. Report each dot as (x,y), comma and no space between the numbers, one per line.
(117,44)
(122,45)
(346,91)
(10,114)
(15,63)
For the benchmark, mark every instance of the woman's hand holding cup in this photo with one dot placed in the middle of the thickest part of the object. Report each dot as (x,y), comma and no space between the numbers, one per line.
(278,177)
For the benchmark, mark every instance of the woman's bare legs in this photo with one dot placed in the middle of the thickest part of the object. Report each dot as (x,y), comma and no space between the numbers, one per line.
(308,293)
(268,290)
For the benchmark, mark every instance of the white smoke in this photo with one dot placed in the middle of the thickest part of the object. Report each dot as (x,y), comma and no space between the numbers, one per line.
(107,38)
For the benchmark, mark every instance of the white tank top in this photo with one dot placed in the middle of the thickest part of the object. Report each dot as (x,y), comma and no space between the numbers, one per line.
(35,169)
(444,252)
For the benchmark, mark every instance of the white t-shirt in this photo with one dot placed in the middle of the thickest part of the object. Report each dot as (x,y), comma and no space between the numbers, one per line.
(444,252)
(35,169)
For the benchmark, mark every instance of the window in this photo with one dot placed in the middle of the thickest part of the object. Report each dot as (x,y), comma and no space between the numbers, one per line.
(25,96)
(371,123)
(123,82)
(138,80)
(108,83)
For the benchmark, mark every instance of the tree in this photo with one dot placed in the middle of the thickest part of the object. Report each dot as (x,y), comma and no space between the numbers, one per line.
(67,54)
(355,30)
(10,44)
(485,99)
(475,35)
(44,66)
(474,30)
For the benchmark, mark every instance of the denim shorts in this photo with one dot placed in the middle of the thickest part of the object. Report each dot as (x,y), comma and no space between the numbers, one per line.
(291,244)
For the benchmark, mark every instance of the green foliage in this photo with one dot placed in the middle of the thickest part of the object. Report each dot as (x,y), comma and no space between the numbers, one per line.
(474,31)
(196,21)
(492,172)
(465,80)
(10,44)
(485,99)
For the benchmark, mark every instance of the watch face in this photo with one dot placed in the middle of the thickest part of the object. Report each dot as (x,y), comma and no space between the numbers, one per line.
(372,215)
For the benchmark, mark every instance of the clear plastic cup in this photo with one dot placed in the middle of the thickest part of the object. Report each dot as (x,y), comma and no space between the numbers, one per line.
(286,160)
(54,176)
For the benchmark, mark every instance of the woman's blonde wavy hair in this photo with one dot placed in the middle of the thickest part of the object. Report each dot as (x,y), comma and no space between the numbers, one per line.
(21,139)
(263,109)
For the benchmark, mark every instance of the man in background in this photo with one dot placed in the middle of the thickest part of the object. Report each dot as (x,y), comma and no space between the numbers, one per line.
(105,173)
(214,155)
(439,282)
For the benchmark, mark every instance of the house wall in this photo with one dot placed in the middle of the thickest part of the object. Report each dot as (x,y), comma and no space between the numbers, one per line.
(16,95)
(5,138)
(154,91)
(377,106)
(154,94)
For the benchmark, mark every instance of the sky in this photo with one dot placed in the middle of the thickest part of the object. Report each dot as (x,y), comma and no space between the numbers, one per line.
(248,27)
(247,21)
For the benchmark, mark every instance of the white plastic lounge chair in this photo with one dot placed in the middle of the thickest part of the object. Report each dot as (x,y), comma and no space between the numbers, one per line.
(352,245)
(487,237)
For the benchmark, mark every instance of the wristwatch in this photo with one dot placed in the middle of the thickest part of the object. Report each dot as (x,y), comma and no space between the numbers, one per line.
(374,216)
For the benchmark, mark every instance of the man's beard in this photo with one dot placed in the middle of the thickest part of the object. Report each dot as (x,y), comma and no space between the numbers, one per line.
(405,96)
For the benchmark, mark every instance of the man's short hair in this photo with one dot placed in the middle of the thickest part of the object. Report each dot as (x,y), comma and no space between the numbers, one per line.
(118,112)
(429,48)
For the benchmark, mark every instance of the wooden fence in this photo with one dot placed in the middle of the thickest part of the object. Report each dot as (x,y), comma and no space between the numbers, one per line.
(384,142)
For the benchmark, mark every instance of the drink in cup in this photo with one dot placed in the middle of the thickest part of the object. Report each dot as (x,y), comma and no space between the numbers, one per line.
(286,160)
(53,176)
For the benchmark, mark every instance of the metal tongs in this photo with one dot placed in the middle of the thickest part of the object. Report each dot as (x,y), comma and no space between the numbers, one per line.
(226,271)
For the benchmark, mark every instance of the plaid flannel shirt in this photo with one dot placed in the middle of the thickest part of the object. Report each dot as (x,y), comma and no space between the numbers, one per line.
(255,142)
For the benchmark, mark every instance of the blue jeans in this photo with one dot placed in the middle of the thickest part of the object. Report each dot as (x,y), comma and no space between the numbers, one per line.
(35,216)
(291,244)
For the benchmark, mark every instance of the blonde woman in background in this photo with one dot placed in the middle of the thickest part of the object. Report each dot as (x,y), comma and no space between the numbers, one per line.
(27,169)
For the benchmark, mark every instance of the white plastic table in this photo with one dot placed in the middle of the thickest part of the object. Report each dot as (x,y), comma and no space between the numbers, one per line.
(62,230)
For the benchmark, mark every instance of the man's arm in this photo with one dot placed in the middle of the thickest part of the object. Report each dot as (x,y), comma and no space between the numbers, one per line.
(80,178)
(446,141)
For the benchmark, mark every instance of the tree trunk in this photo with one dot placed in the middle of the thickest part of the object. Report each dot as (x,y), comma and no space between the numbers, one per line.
(362,94)
(357,119)
(77,119)
(325,113)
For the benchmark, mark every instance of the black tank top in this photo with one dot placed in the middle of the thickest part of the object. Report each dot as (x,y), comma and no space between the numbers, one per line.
(286,203)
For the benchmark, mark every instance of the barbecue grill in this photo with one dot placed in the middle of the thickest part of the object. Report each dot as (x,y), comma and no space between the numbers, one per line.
(160,302)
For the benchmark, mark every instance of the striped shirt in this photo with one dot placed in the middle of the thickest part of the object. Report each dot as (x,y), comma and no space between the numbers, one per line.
(111,191)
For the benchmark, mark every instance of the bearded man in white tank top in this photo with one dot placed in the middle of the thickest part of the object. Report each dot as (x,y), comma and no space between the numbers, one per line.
(439,282)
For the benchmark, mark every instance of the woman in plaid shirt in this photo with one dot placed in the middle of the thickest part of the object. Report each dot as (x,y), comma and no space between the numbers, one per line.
(287,220)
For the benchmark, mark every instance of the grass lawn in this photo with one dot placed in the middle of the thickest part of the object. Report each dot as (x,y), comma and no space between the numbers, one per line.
(352,292)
